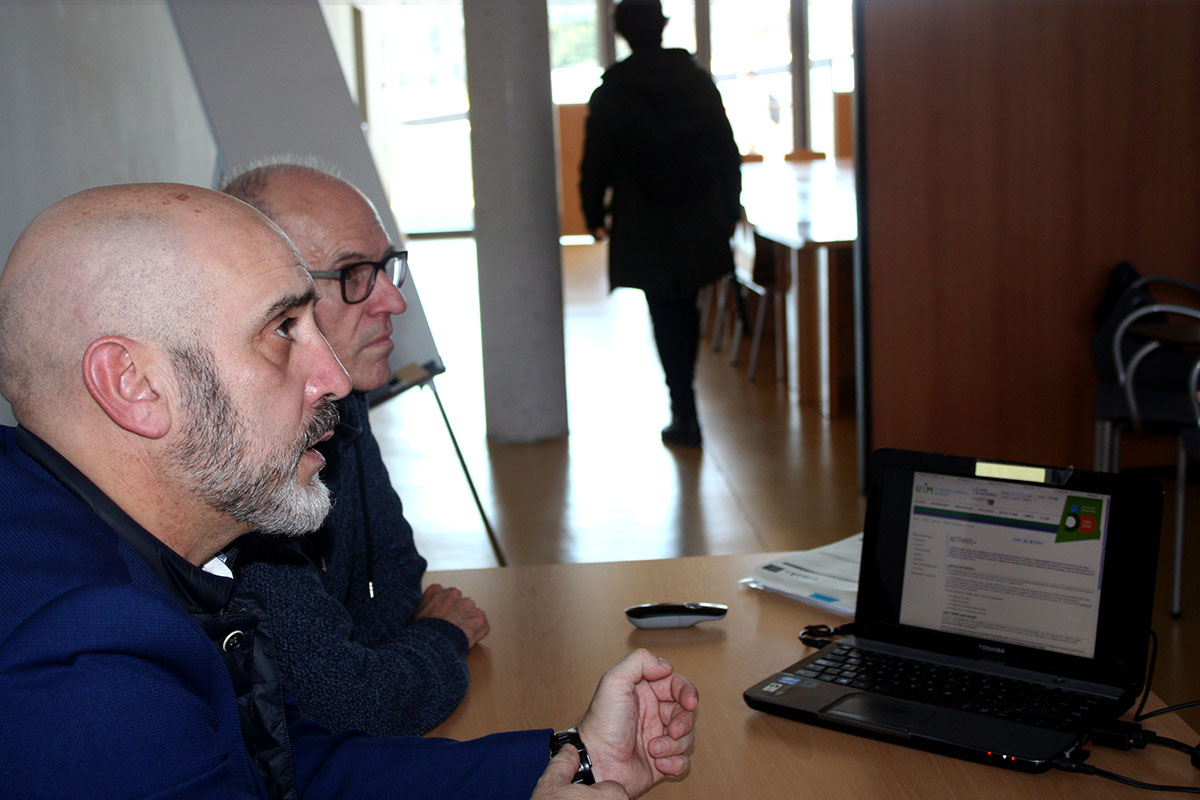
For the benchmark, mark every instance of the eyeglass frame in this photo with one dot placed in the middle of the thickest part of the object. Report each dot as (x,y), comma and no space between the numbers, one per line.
(381,265)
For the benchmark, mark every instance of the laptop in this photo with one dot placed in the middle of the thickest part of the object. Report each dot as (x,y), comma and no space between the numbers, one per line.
(1003,611)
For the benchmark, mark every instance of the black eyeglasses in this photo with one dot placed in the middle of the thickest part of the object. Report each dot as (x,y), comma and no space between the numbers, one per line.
(358,279)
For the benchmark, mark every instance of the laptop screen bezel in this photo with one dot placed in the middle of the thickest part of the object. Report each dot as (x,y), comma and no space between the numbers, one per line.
(1127,582)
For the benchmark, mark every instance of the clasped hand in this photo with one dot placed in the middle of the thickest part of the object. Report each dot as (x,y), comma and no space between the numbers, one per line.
(452,606)
(638,730)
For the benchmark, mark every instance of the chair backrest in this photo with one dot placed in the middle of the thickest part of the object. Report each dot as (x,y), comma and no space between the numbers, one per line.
(1123,275)
(1125,292)
(1130,298)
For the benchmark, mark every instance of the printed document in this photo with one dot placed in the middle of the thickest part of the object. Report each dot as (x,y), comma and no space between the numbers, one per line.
(826,577)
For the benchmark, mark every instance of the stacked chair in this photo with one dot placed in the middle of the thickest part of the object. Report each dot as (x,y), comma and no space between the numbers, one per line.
(1147,355)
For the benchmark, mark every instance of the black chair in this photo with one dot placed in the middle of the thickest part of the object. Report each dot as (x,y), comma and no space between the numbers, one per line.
(1147,354)
(1188,447)
(759,272)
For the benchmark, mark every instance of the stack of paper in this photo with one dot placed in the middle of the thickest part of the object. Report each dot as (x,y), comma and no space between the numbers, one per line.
(826,577)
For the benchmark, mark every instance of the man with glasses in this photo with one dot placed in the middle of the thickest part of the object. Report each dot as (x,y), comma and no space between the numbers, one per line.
(358,643)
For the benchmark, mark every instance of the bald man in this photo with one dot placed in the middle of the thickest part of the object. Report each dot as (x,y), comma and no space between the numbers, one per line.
(159,349)
(359,643)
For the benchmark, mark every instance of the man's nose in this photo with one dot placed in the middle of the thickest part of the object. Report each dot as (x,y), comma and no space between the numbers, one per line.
(328,376)
(386,296)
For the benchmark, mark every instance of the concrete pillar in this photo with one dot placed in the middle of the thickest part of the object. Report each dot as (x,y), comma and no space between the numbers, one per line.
(516,219)
(605,32)
(801,137)
(703,35)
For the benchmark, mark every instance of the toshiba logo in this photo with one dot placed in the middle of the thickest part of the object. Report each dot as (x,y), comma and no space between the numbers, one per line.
(991,648)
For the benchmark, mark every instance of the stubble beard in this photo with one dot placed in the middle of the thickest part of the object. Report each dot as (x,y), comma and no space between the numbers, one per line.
(218,461)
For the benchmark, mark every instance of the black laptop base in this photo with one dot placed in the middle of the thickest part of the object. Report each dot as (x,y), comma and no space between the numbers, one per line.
(913,723)
(1018,762)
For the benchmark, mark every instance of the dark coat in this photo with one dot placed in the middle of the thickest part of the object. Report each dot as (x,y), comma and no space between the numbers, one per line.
(658,138)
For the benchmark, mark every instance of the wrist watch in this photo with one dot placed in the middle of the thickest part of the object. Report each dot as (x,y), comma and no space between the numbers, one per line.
(571,736)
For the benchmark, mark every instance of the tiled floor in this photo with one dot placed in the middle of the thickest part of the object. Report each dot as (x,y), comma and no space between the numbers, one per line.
(770,477)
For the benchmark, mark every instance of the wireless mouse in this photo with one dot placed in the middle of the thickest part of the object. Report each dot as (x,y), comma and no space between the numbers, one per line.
(674,615)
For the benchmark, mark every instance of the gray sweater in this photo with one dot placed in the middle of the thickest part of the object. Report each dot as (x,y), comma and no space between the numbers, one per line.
(350,660)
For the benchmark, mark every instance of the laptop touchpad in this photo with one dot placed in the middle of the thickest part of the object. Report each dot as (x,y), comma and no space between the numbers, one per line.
(879,713)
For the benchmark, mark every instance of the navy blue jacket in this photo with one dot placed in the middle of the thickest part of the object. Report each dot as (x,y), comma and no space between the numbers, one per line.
(341,602)
(110,688)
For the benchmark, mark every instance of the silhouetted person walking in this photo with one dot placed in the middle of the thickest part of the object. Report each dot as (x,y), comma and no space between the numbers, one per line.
(658,138)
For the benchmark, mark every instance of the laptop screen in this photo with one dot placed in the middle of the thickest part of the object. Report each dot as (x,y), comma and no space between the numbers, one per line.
(1011,562)
(967,563)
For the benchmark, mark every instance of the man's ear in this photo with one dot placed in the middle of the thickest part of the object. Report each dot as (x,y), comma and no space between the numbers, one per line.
(125,379)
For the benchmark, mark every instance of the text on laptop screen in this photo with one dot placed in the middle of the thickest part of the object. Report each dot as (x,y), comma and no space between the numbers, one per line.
(1011,562)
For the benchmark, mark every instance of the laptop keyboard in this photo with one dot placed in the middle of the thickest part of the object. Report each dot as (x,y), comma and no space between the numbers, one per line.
(952,687)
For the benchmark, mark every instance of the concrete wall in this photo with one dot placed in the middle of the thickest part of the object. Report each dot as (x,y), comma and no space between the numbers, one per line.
(92,95)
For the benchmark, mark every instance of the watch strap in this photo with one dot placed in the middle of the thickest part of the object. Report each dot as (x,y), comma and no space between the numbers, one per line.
(571,736)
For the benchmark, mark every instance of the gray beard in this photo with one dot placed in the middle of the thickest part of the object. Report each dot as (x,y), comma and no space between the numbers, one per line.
(219,464)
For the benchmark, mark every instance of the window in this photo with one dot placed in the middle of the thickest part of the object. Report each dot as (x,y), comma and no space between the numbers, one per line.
(751,62)
(415,86)
(830,65)
(575,67)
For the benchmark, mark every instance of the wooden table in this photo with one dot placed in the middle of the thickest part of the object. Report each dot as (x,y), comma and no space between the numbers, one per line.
(808,210)
(556,628)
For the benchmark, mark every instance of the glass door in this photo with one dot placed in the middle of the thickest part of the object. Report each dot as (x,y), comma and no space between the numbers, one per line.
(408,73)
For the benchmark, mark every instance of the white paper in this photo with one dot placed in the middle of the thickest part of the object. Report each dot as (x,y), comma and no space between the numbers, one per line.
(825,577)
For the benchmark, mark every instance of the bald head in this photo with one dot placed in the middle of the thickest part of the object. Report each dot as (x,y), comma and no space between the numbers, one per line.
(301,199)
(112,261)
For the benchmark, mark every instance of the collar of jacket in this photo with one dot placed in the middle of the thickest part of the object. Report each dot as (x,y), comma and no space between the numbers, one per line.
(196,590)
(352,413)
(353,424)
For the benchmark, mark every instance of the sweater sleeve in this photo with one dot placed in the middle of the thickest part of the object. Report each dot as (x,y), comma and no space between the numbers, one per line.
(403,685)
